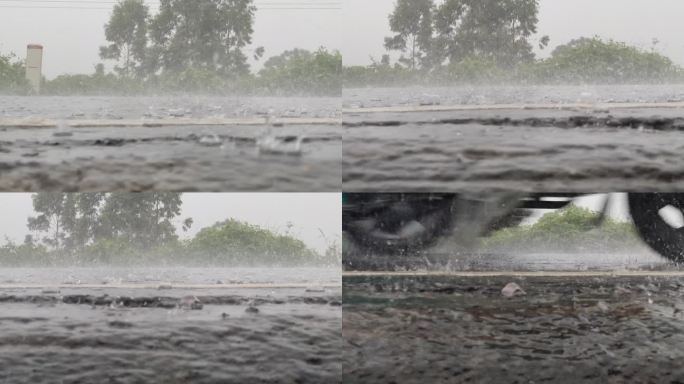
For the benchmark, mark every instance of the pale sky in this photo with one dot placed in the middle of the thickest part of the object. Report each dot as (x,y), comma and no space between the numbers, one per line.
(634,21)
(308,212)
(72,37)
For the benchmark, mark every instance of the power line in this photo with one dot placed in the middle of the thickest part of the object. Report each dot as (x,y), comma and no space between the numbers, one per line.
(102,4)
(94,2)
(109,9)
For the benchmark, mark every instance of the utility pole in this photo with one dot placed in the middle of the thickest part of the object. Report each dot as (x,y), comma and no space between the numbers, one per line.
(34,66)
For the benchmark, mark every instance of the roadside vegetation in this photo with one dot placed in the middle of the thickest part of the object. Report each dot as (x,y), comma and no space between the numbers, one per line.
(123,229)
(572,229)
(12,75)
(200,46)
(443,42)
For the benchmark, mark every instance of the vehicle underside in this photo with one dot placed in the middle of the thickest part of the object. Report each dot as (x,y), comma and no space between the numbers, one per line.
(403,224)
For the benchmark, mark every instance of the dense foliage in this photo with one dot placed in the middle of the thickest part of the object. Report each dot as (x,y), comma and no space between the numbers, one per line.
(12,75)
(572,229)
(595,60)
(379,74)
(238,243)
(201,34)
(68,222)
(412,24)
(495,30)
(126,33)
(582,61)
(137,229)
(299,71)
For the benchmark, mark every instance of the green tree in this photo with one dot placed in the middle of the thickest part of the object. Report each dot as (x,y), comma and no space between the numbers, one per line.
(595,60)
(300,71)
(237,243)
(202,34)
(53,216)
(411,21)
(68,219)
(498,30)
(85,226)
(12,75)
(143,220)
(126,32)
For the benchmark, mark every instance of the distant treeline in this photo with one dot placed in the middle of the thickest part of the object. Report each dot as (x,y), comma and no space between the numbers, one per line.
(295,72)
(582,61)
(188,46)
(85,229)
(492,42)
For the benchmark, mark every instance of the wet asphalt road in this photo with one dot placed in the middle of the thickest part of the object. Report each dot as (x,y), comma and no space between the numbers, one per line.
(265,157)
(589,329)
(133,336)
(589,148)
(170,159)
(526,150)
(142,325)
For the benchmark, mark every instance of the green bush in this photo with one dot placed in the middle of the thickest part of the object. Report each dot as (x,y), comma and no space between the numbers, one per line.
(23,254)
(13,75)
(381,75)
(232,242)
(198,80)
(228,243)
(570,229)
(296,72)
(595,60)
(302,72)
(472,70)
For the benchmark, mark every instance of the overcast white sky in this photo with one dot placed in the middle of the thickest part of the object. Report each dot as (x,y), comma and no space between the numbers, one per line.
(72,36)
(308,212)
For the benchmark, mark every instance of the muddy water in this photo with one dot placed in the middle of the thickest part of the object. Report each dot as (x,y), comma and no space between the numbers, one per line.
(583,149)
(564,329)
(188,158)
(121,332)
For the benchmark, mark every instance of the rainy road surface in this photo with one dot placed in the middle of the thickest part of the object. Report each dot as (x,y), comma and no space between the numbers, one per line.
(169,143)
(170,326)
(600,324)
(524,138)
